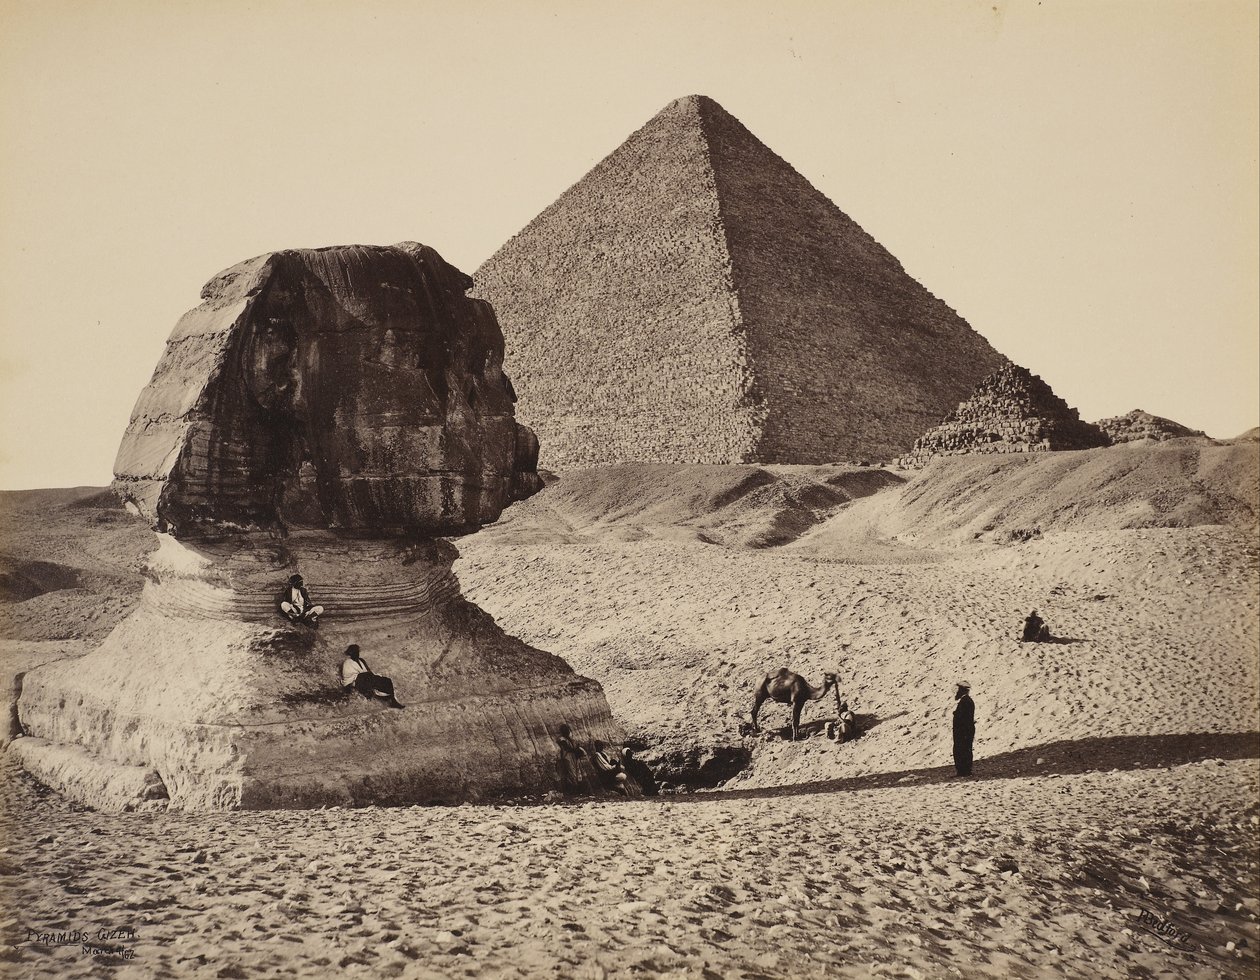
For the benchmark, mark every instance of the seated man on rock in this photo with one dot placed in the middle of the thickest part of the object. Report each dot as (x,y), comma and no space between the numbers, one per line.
(356,675)
(1035,629)
(295,603)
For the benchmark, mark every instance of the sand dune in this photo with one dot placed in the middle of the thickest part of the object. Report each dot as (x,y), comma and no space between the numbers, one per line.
(1179,483)
(70,563)
(739,506)
(1159,625)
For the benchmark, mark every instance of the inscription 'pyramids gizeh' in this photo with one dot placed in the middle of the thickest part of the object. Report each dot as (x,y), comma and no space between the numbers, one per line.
(694,299)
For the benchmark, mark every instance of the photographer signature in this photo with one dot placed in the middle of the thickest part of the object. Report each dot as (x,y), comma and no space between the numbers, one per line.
(1165,931)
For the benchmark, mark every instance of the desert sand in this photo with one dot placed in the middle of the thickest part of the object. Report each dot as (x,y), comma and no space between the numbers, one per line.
(995,877)
(1108,830)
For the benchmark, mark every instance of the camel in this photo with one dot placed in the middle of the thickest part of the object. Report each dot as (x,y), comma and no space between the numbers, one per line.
(788,687)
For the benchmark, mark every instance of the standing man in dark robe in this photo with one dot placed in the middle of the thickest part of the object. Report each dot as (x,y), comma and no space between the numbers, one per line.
(577,775)
(964,728)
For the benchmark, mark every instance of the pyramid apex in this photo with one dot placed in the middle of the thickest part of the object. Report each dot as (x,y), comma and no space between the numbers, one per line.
(695,100)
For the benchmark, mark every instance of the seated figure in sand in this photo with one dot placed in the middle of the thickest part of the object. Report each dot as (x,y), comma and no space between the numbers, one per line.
(612,773)
(1035,629)
(296,604)
(846,728)
(357,676)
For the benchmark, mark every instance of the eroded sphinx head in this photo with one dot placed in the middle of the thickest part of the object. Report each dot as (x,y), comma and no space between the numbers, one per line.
(354,388)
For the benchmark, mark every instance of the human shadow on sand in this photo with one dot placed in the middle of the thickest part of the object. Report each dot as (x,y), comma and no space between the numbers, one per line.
(1065,758)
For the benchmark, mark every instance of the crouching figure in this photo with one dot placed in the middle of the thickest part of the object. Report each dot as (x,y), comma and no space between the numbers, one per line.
(296,604)
(612,772)
(1035,629)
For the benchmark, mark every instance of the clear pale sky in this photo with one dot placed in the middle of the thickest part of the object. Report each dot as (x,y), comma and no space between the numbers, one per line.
(1078,179)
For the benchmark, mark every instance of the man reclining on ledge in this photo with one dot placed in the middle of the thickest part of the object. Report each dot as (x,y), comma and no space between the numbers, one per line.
(295,603)
(355,675)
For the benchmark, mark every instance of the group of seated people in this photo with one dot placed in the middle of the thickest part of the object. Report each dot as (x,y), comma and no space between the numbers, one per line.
(602,769)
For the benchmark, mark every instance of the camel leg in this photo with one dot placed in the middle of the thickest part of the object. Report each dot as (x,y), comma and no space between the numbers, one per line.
(758,700)
(796,719)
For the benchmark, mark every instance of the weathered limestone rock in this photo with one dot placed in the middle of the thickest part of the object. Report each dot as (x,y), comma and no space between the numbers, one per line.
(354,388)
(327,413)
(235,707)
(1011,411)
(1139,425)
(89,779)
(717,308)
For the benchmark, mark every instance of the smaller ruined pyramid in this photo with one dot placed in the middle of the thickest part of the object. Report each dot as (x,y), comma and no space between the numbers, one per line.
(1139,426)
(1011,411)
(694,299)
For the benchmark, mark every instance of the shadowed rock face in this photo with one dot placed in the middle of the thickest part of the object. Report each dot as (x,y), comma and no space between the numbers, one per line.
(354,388)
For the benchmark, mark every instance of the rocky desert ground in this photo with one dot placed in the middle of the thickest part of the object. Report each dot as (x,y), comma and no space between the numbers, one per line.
(1109,828)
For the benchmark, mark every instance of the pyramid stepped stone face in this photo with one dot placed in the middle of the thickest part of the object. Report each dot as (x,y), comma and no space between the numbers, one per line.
(694,299)
(1011,411)
(624,324)
(329,414)
(1138,425)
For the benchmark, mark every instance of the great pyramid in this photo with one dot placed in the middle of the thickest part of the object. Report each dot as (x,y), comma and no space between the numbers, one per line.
(1011,411)
(694,299)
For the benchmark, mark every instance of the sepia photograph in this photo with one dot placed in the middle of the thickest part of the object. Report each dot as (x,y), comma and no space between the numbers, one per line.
(700,489)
